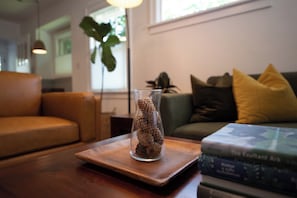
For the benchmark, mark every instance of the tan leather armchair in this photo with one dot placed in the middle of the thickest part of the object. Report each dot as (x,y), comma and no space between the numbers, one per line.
(31,121)
(82,108)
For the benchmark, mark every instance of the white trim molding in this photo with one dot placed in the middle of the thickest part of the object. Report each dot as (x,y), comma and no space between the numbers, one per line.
(205,16)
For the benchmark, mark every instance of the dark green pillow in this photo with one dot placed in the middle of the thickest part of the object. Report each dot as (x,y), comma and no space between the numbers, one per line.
(213,102)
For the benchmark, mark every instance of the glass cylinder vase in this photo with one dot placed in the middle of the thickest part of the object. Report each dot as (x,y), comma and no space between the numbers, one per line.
(147,134)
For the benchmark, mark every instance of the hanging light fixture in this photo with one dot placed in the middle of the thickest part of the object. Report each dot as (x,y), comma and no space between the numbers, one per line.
(127,4)
(38,47)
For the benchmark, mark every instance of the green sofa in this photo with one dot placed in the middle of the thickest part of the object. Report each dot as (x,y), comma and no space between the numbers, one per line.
(176,111)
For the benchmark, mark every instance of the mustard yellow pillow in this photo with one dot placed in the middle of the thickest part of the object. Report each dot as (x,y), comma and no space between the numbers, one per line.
(268,99)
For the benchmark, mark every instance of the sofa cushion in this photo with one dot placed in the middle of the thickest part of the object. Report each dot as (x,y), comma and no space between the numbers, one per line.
(213,102)
(280,124)
(268,99)
(20,135)
(198,130)
(20,94)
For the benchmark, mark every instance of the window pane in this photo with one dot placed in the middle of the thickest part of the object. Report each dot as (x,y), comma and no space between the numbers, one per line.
(64,46)
(63,59)
(117,79)
(171,9)
(113,81)
(63,43)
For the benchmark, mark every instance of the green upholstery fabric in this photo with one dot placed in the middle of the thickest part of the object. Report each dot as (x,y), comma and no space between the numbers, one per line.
(172,114)
(281,124)
(213,103)
(197,130)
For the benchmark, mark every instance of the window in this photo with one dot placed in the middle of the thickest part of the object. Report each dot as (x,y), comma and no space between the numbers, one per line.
(116,80)
(171,14)
(63,59)
(63,44)
(171,9)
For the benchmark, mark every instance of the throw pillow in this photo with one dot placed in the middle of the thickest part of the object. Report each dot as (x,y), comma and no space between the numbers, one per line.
(213,102)
(268,99)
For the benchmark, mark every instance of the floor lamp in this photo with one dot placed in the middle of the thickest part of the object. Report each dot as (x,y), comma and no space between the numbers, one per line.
(127,4)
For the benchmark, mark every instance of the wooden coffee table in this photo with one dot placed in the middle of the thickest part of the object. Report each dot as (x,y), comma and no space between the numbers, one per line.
(62,174)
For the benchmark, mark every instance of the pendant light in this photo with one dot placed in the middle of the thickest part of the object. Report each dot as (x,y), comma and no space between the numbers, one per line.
(38,47)
(127,4)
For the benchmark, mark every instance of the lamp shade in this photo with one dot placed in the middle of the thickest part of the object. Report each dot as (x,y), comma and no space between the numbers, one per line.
(39,47)
(125,3)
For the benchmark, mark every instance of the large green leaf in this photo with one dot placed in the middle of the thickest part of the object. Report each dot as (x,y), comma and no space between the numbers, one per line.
(85,23)
(108,59)
(103,29)
(163,80)
(93,29)
(93,55)
(112,41)
(99,32)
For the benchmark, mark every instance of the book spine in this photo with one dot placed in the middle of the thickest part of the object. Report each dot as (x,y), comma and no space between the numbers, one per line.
(239,188)
(248,154)
(206,191)
(253,174)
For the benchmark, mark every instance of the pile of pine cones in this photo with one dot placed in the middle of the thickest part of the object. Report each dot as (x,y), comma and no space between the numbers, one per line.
(147,124)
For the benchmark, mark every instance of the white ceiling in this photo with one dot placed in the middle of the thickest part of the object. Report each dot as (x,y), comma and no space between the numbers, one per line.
(18,10)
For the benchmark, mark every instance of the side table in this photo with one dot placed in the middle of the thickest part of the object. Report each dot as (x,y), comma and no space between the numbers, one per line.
(121,124)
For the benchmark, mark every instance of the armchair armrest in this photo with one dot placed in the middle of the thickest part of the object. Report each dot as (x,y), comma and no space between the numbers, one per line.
(176,110)
(80,107)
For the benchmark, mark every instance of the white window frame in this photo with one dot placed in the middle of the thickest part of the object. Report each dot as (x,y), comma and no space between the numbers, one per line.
(231,9)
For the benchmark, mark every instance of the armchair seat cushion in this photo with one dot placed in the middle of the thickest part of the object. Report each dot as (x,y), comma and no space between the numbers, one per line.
(20,135)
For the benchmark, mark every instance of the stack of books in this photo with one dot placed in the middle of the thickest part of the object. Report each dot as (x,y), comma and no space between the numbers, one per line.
(241,160)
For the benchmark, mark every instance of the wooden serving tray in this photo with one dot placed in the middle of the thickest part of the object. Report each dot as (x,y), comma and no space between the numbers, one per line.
(178,155)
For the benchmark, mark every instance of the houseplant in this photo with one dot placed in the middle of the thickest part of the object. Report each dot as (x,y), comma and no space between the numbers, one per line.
(162,82)
(104,35)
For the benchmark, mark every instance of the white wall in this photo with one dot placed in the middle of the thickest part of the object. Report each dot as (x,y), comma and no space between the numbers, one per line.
(44,64)
(12,56)
(248,42)
(9,31)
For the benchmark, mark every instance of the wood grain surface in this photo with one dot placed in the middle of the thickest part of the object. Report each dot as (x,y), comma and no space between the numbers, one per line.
(177,156)
(62,174)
